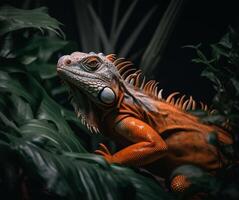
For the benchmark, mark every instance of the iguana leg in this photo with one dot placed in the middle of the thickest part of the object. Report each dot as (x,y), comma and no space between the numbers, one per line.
(147,145)
(179,183)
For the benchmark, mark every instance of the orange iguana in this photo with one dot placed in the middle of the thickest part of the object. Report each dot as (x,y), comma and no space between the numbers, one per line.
(112,98)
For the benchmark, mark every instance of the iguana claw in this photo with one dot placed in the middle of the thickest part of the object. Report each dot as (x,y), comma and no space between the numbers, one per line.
(104,151)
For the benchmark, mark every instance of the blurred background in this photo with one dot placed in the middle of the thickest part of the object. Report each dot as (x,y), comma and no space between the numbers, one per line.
(127,28)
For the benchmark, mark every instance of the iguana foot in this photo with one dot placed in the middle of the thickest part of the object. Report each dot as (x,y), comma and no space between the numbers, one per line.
(104,151)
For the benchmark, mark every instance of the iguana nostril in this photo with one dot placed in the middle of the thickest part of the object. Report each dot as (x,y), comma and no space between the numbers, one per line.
(67,61)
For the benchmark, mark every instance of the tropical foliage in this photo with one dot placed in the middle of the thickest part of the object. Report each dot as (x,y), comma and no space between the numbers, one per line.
(222,69)
(42,153)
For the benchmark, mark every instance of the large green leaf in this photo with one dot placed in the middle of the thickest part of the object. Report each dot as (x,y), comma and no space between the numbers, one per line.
(89,35)
(155,48)
(123,22)
(19,109)
(124,51)
(43,107)
(14,19)
(39,48)
(10,85)
(85,176)
(101,31)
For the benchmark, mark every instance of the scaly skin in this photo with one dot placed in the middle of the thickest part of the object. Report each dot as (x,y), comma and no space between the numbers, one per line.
(152,132)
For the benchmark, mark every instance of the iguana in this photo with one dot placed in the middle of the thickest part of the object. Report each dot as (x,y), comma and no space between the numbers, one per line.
(111,97)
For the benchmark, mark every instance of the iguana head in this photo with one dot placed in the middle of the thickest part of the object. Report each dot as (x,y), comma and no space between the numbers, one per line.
(94,75)
(94,83)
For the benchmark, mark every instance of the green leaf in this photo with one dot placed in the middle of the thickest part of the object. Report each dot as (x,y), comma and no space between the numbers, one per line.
(20,110)
(201,55)
(72,176)
(114,18)
(154,50)
(8,123)
(45,70)
(7,84)
(39,47)
(225,41)
(13,19)
(219,50)
(192,46)
(89,36)
(49,110)
(123,22)
(134,35)
(101,31)
(41,104)
(35,128)
(197,60)
(211,76)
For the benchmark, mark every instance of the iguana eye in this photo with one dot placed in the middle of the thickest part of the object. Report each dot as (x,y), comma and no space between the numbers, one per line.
(91,63)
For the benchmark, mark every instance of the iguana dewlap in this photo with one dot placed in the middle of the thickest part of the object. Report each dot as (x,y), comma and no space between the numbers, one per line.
(110,97)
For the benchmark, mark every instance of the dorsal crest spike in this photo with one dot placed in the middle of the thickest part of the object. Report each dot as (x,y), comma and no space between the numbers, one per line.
(137,79)
(170,97)
(130,77)
(124,68)
(160,94)
(177,102)
(185,104)
(151,87)
(180,104)
(127,73)
(134,78)
(188,104)
(123,63)
(111,57)
(142,84)
(118,60)
(147,85)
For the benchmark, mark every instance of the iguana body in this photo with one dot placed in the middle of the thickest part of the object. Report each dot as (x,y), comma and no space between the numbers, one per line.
(109,97)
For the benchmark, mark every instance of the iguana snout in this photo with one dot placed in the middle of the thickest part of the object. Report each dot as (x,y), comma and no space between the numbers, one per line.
(72,59)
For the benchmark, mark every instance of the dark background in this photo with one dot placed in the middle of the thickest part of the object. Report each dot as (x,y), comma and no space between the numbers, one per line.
(200,21)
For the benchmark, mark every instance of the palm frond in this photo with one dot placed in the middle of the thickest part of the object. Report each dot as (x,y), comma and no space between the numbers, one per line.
(155,48)
(74,175)
(13,19)
(89,37)
(101,31)
(124,51)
